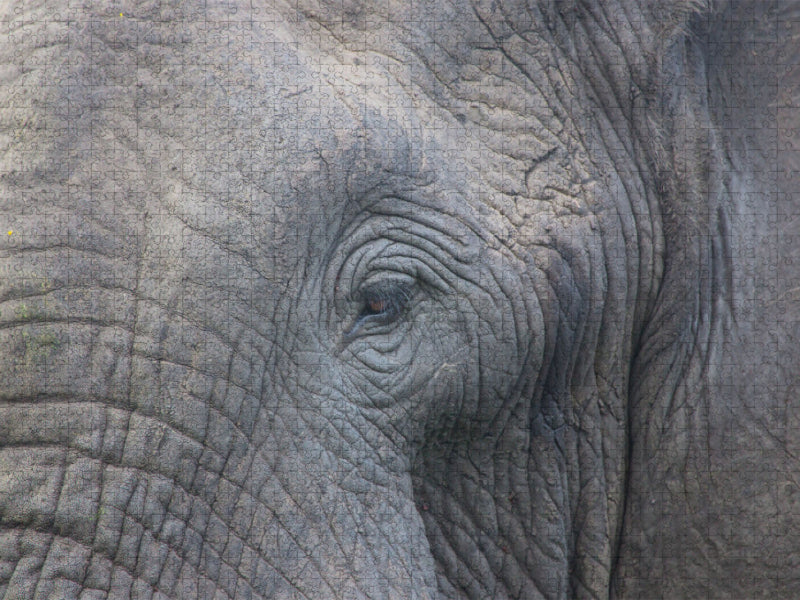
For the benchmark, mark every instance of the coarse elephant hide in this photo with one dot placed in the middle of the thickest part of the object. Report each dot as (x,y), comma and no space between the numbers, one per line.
(448,299)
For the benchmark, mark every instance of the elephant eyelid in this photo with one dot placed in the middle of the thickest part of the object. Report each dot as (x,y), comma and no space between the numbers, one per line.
(384,301)
(381,304)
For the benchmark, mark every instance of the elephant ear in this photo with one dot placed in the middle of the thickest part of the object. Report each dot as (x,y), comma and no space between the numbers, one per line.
(712,426)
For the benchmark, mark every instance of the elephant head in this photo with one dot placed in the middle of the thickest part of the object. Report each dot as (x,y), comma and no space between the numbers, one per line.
(452,299)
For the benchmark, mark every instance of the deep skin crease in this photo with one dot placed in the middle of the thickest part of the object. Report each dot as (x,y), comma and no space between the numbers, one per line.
(387,300)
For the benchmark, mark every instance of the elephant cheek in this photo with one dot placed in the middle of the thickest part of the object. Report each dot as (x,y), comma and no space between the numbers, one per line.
(300,506)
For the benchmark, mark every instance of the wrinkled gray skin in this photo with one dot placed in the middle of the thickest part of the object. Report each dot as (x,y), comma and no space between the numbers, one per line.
(452,300)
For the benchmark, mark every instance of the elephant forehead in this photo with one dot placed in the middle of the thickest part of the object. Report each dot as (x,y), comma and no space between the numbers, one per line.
(272,133)
(258,130)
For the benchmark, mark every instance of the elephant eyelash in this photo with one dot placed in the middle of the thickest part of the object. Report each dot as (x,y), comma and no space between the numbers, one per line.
(381,304)
(384,302)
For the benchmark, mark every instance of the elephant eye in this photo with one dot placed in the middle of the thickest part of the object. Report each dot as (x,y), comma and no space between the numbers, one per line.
(381,305)
(376,306)
(384,302)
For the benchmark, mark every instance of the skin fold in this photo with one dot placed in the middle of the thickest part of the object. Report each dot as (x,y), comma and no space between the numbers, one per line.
(439,300)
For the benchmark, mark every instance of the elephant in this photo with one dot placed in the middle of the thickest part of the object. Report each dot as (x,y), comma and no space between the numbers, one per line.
(399,300)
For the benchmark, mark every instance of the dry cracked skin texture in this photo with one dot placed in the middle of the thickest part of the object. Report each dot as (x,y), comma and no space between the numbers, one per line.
(398,300)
